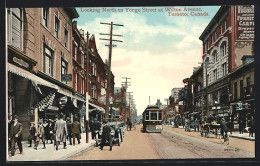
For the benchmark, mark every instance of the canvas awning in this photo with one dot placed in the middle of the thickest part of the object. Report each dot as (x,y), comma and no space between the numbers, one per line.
(26,74)
(45,102)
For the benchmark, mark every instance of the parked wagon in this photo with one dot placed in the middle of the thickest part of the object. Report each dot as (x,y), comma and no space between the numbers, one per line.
(210,128)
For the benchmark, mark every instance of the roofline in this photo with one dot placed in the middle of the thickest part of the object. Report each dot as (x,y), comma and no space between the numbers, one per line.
(216,18)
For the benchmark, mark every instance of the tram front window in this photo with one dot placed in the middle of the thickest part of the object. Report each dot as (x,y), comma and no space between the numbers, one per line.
(153,115)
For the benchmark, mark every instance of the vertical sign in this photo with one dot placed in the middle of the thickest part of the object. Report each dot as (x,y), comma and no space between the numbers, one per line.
(245,23)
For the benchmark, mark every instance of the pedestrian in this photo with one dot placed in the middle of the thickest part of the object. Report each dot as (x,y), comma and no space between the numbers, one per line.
(49,131)
(45,124)
(60,130)
(32,137)
(106,136)
(224,128)
(15,135)
(241,127)
(130,124)
(40,136)
(76,131)
(96,126)
(251,129)
(69,128)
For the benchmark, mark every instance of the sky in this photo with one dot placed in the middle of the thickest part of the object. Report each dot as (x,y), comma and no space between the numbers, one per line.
(159,48)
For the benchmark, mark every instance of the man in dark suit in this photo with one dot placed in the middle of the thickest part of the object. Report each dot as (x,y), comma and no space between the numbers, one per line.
(96,126)
(76,131)
(15,135)
(106,136)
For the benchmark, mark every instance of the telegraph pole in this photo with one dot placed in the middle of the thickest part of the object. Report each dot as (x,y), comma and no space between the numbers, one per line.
(126,85)
(129,94)
(87,57)
(109,62)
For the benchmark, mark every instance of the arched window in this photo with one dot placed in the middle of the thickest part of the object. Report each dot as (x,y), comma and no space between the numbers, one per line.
(223,49)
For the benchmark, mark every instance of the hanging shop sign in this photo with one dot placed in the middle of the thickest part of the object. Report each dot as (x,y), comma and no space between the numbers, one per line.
(66,77)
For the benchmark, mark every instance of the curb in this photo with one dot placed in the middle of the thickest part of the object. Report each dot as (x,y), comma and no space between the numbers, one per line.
(77,151)
(246,138)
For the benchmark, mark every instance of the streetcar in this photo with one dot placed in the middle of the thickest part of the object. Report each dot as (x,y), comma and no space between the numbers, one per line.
(152,120)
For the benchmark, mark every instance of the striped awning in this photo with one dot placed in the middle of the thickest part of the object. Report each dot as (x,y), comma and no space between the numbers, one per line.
(46,102)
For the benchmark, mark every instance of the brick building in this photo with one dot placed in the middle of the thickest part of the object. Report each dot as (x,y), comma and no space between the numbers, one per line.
(38,41)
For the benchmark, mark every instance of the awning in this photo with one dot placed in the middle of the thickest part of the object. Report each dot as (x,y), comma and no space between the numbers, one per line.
(46,102)
(23,73)
(95,107)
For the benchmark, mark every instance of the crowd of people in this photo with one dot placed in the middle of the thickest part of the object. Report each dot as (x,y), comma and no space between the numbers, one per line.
(224,124)
(57,131)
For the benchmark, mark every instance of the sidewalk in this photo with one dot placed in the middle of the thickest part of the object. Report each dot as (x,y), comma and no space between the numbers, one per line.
(236,134)
(50,153)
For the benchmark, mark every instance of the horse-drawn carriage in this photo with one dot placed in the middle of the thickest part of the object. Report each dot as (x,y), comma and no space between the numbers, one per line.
(210,128)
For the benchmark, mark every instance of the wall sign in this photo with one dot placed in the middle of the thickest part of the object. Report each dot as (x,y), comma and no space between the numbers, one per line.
(245,23)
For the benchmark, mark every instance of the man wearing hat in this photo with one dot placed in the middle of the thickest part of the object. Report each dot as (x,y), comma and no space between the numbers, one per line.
(106,136)
(61,132)
(223,127)
(15,135)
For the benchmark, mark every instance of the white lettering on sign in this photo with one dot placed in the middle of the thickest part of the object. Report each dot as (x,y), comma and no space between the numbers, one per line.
(49,43)
(20,62)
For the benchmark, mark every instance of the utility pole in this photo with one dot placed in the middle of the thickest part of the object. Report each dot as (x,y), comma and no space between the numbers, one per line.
(129,94)
(126,85)
(109,62)
(87,80)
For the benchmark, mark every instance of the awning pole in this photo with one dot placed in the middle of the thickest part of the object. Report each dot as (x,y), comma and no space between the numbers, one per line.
(36,118)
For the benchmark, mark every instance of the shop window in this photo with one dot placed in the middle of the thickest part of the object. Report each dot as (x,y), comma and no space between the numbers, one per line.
(14,27)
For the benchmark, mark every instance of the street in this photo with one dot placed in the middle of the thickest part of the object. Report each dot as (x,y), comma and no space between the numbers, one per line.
(172,143)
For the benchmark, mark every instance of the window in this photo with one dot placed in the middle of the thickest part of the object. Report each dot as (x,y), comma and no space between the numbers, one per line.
(160,116)
(83,86)
(241,89)
(235,90)
(223,49)
(45,16)
(64,67)
(75,52)
(225,25)
(94,91)
(82,60)
(206,46)
(14,27)
(221,29)
(248,81)
(76,81)
(214,57)
(57,27)
(93,68)
(65,37)
(153,115)
(224,69)
(215,74)
(47,61)
(147,116)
